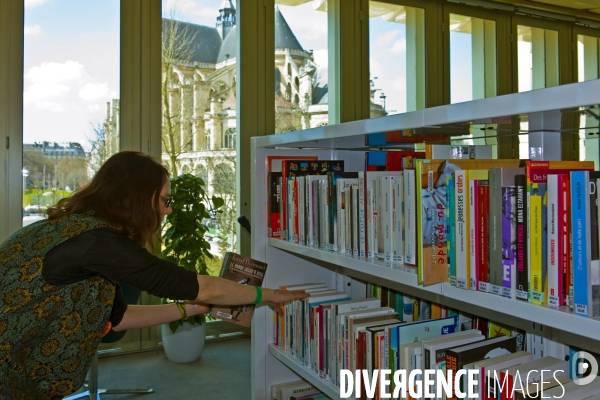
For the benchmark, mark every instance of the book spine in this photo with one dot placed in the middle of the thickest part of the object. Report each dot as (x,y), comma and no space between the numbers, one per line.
(332,211)
(369,212)
(302,210)
(451,368)
(399,211)
(564,224)
(580,228)
(324,235)
(322,341)
(450,228)
(386,217)
(535,244)
(340,222)
(554,252)
(296,211)
(496,232)
(362,219)
(410,218)
(508,238)
(275,205)
(473,236)
(461,228)
(348,222)
(522,257)
(378,184)
(483,248)
(354,210)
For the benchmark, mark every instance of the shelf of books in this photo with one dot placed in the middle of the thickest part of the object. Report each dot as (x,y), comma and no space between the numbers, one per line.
(406,276)
(305,372)
(399,246)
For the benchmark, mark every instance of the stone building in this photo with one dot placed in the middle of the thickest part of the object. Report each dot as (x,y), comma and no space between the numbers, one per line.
(199,90)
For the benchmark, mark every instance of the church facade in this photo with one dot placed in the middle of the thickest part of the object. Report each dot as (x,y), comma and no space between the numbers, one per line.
(199,93)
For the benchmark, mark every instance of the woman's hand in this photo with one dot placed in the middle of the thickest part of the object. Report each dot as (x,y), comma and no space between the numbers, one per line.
(278,297)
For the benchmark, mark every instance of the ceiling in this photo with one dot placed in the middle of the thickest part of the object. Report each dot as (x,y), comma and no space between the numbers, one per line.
(577,8)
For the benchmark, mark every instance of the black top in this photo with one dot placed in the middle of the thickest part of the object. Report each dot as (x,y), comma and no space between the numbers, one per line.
(110,254)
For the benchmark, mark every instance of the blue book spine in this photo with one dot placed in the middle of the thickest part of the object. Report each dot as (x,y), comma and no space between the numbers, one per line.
(580,231)
(450,226)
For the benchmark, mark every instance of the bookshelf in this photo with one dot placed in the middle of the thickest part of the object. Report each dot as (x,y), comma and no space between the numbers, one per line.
(291,263)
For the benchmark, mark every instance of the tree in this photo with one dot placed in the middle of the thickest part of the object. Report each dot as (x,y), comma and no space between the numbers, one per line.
(222,164)
(99,153)
(178,45)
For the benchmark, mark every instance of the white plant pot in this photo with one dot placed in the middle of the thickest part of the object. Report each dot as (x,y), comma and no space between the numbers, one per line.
(186,344)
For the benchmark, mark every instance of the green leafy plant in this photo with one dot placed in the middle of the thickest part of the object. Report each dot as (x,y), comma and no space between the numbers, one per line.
(184,230)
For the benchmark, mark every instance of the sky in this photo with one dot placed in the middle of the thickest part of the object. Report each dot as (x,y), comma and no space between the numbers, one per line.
(71,68)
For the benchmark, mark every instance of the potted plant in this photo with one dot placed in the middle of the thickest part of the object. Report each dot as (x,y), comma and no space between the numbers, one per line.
(184,243)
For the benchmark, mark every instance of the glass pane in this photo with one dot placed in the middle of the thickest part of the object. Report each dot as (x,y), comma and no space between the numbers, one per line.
(537,58)
(472,58)
(301,91)
(396,58)
(587,58)
(199,44)
(199,57)
(587,69)
(71,77)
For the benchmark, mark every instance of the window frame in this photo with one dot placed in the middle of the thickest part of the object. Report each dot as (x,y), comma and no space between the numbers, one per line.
(503,60)
(565,61)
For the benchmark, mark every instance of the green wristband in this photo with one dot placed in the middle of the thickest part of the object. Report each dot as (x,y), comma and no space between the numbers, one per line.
(258,298)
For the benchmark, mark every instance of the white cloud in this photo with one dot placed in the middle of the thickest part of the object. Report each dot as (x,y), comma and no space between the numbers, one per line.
(46,96)
(321,58)
(55,72)
(32,31)
(387,37)
(398,47)
(44,91)
(93,91)
(190,11)
(59,87)
(35,3)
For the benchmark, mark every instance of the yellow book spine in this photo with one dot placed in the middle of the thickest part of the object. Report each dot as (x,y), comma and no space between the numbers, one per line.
(536,294)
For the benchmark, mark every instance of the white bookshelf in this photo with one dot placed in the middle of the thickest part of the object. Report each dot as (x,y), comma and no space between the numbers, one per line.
(292,263)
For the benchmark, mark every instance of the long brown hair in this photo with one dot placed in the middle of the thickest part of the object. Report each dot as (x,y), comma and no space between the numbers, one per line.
(124,193)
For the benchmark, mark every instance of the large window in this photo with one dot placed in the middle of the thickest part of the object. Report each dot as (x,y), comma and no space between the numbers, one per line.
(538,58)
(472,58)
(396,58)
(301,65)
(198,96)
(588,68)
(71,81)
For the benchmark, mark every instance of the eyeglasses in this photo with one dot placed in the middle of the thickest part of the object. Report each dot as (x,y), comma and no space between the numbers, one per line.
(167,200)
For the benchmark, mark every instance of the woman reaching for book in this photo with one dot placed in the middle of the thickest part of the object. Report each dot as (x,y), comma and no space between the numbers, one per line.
(59,291)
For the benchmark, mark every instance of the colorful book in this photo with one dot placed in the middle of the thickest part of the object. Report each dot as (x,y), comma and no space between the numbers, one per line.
(482,250)
(419,330)
(450,229)
(431,212)
(487,368)
(243,270)
(473,178)
(458,357)
(580,228)
(502,232)
(410,218)
(522,278)
(537,173)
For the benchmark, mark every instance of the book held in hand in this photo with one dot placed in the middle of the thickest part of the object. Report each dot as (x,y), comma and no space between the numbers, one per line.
(243,270)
